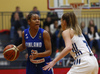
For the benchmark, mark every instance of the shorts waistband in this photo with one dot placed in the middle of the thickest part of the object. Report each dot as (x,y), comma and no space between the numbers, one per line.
(88,54)
(38,61)
(78,59)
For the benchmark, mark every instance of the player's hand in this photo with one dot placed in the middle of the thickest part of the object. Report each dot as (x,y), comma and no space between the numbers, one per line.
(34,55)
(49,65)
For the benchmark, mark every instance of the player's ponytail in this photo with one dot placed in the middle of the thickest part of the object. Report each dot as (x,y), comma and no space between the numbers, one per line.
(71,20)
(74,24)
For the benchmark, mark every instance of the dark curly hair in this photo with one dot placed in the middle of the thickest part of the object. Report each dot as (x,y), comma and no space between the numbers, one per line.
(29,16)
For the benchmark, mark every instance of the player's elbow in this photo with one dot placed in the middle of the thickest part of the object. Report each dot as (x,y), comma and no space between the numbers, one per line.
(69,48)
(49,52)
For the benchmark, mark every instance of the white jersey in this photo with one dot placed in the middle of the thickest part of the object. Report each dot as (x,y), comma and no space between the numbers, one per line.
(85,62)
(80,46)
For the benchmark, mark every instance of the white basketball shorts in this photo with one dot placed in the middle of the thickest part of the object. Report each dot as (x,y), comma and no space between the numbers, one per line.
(85,65)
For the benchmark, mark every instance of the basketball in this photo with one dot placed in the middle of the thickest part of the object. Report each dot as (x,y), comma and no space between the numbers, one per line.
(11,52)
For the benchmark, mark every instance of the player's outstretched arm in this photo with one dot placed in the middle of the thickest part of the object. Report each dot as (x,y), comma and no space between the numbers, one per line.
(22,46)
(64,52)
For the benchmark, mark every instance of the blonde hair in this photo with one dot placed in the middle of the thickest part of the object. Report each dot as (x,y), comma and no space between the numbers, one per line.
(71,20)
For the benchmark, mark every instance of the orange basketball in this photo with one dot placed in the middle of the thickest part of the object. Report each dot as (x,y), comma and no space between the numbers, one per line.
(11,52)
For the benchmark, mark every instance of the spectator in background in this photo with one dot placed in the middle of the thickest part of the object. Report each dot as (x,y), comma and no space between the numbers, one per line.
(53,27)
(25,61)
(57,53)
(52,41)
(19,13)
(47,29)
(84,30)
(47,22)
(25,23)
(93,37)
(35,11)
(69,61)
(59,39)
(96,55)
(53,15)
(18,40)
(94,52)
(91,23)
(16,23)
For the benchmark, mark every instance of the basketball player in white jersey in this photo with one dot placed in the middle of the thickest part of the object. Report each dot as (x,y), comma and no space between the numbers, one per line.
(76,45)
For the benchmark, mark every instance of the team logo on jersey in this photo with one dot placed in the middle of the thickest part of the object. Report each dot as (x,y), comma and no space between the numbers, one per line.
(26,36)
(39,35)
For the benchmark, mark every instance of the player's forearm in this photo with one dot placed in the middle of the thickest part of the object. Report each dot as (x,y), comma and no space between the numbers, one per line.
(45,54)
(62,54)
(21,47)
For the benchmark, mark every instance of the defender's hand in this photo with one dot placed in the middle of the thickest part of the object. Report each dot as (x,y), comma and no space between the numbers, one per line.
(49,66)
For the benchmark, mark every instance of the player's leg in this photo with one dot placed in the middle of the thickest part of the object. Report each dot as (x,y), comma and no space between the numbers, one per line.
(31,68)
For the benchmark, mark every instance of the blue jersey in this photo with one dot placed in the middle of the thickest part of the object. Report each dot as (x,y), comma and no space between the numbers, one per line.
(35,43)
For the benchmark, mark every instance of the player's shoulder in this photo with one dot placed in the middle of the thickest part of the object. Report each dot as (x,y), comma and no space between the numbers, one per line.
(46,33)
(41,29)
(69,32)
(25,31)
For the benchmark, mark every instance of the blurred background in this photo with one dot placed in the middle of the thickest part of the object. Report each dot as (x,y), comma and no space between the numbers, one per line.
(13,14)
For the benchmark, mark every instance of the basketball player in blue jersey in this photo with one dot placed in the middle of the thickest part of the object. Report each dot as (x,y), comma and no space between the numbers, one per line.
(37,41)
(76,45)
